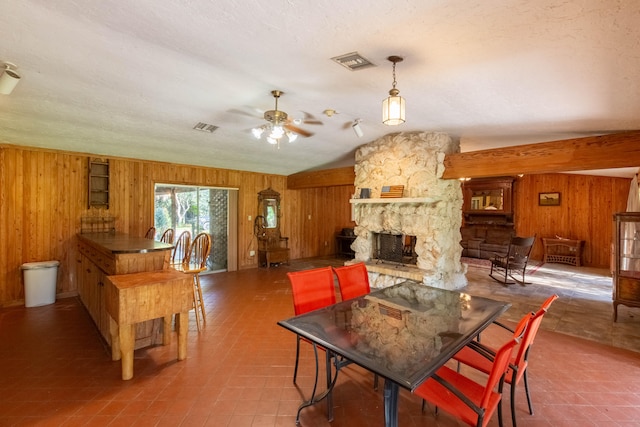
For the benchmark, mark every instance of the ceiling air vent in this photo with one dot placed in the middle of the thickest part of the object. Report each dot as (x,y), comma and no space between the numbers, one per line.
(204,127)
(353,61)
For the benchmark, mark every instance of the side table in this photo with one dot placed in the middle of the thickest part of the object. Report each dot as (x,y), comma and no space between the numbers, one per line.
(343,245)
(565,251)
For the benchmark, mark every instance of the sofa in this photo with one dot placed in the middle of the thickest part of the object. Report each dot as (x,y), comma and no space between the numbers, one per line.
(485,242)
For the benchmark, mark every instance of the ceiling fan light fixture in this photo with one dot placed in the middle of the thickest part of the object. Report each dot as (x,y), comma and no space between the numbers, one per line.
(277,131)
(280,124)
(257,132)
(393,107)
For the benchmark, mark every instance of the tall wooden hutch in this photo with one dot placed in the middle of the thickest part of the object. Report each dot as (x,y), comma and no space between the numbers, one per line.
(626,260)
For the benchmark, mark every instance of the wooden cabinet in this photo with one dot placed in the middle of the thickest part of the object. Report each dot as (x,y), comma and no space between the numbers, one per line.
(626,260)
(488,200)
(107,254)
(91,287)
(486,194)
(488,225)
(98,182)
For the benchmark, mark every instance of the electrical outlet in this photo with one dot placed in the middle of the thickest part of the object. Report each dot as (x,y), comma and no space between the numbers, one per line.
(252,253)
(249,217)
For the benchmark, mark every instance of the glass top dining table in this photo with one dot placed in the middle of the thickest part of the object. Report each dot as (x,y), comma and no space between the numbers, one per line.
(403,333)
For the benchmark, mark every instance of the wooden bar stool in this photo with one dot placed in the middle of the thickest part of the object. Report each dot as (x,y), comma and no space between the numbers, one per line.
(195,264)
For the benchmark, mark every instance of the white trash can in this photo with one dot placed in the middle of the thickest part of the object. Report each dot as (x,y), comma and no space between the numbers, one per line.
(40,282)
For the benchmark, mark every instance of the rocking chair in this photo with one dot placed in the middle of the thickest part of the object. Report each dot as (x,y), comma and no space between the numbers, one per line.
(513,262)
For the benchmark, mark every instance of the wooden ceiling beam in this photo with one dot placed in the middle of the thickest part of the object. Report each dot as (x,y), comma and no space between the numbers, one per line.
(322,178)
(617,150)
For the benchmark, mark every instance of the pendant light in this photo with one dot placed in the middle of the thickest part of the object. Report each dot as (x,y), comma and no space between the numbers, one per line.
(393,106)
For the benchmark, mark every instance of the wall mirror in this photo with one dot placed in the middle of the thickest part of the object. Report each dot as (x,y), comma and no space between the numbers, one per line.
(487,200)
(488,195)
(272,247)
(269,208)
(270,213)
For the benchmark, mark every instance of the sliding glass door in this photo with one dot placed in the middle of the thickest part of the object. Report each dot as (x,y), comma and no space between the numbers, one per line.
(200,209)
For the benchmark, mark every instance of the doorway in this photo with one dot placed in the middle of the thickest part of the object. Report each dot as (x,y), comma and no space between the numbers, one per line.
(200,209)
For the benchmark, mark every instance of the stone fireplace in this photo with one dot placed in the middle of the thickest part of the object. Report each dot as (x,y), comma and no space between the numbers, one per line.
(429,209)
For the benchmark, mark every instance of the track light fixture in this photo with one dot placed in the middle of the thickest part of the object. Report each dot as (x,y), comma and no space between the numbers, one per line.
(356,128)
(9,79)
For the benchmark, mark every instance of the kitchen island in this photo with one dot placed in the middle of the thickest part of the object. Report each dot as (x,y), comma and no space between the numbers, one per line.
(107,254)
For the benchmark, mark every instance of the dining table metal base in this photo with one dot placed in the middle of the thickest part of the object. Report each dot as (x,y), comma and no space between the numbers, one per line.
(327,394)
(391,391)
(338,363)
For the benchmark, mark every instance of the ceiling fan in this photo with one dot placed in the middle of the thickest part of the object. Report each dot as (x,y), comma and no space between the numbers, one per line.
(280,124)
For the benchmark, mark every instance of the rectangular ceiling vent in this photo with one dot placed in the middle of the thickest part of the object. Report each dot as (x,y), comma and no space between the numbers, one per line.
(353,61)
(204,127)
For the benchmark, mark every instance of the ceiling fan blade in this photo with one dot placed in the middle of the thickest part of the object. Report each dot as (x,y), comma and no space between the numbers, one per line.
(297,130)
(310,119)
(255,115)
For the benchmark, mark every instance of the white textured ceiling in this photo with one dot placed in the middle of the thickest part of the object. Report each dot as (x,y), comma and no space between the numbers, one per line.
(131,78)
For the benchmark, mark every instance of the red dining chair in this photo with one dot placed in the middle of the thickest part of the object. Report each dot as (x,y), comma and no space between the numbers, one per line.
(353,280)
(469,401)
(311,289)
(517,369)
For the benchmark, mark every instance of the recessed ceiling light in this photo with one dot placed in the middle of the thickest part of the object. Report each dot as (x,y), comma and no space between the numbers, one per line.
(353,61)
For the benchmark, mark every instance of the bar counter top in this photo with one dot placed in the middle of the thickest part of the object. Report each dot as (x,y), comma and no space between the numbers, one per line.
(120,243)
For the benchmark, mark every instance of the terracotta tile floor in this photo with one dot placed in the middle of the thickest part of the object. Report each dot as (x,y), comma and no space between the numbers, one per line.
(55,370)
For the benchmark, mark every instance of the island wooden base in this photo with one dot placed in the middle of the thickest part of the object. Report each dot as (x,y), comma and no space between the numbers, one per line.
(108,254)
(138,297)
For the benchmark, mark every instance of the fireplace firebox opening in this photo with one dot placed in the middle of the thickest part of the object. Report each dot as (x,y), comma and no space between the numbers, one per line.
(397,248)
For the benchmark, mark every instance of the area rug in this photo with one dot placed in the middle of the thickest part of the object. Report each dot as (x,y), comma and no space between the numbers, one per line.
(485,263)
(476,262)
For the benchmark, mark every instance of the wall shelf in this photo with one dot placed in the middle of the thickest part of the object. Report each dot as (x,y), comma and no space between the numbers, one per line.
(98,183)
(395,200)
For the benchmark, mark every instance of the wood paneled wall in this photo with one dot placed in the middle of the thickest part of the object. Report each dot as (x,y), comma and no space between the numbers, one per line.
(586,210)
(43,196)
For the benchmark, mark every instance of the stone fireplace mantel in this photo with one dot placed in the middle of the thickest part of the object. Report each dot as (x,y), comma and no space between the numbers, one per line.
(408,200)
